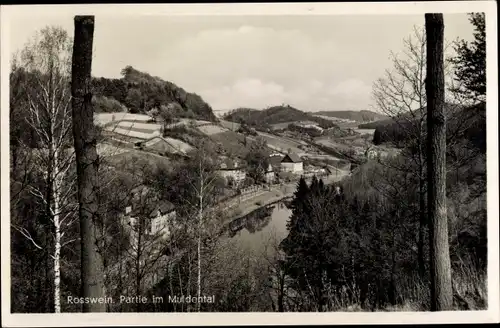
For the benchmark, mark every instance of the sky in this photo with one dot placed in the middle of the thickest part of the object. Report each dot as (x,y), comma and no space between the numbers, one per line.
(313,63)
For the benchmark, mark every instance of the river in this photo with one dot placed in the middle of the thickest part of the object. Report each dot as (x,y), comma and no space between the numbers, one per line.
(260,229)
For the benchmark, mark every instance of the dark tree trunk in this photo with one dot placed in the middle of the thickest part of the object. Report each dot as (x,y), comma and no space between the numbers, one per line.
(84,134)
(441,288)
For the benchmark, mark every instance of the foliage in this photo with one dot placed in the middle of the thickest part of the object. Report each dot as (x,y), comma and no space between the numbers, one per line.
(141,92)
(245,129)
(470,62)
(257,160)
(104,104)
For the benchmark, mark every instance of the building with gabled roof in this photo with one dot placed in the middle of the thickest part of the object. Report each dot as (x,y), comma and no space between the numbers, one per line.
(232,169)
(292,163)
(157,214)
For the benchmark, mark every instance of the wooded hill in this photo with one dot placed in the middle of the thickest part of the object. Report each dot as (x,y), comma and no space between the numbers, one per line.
(274,115)
(139,92)
(462,122)
(358,116)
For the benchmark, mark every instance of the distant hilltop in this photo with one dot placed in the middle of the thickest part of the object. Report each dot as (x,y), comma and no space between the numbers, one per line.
(363,116)
(275,115)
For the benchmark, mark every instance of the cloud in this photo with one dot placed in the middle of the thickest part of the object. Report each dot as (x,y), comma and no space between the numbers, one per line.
(313,63)
(259,66)
(310,95)
(248,92)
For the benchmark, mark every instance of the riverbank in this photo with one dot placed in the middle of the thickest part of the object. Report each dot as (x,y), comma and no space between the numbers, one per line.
(275,194)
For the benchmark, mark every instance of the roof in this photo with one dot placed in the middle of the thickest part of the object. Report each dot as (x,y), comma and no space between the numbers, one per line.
(292,157)
(152,210)
(163,207)
(275,160)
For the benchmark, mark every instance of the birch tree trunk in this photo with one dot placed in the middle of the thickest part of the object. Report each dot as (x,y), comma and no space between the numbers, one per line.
(57,239)
(441,288)
(84,134)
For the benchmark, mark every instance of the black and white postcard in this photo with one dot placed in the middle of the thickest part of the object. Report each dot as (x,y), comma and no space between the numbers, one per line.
(301,163)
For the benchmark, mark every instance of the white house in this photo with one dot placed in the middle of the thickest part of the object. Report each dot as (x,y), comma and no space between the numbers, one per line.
(232,169)
(270,175)
(157,218)
(292,163)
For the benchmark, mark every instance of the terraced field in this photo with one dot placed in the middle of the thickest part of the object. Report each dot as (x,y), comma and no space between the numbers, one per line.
(134,129)
(105,118)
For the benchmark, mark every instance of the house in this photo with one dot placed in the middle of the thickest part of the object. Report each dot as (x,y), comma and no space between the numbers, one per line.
(232,169)
(155,214)
(292,163)
(270,175)
(157,217)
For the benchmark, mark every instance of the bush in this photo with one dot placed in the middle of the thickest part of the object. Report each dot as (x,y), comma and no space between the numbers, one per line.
(104,104)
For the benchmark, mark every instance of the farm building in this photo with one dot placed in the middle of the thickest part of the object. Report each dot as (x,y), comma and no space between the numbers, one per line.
(292,163)
(231,169)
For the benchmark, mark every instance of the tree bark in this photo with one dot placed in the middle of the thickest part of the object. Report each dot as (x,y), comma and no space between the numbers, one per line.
(85,140)
(441,288)
(422,224)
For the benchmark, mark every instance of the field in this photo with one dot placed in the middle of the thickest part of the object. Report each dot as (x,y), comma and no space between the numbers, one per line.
(280,126)
(134,129)
(230,125)
(282,144)
(232,142)
(332,144)
(211,129)
(178,144)
(188,121)
(105,118)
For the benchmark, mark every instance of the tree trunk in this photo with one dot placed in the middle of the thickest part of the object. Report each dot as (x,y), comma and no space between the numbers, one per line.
(138,262)
(422,225)
(57,242)
(441,288)
(200,218)
(84,134)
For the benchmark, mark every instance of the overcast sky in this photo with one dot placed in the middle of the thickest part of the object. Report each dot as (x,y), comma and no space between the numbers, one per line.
(309,62)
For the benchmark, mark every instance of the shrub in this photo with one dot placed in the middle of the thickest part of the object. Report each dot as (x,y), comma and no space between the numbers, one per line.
(104,104)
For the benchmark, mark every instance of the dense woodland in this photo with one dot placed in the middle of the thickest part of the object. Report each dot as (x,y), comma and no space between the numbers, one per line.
(359,245)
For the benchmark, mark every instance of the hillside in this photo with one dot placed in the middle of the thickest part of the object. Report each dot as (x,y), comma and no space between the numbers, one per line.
(358,116)
(139,92)
(274,115)
(467,123)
